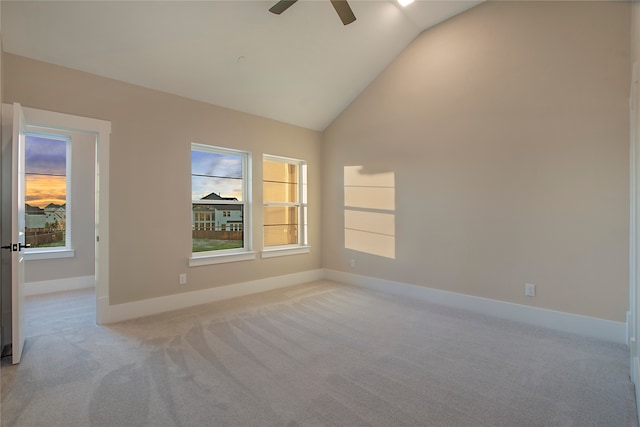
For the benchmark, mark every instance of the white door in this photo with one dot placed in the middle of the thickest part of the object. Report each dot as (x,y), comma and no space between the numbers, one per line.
(17,234)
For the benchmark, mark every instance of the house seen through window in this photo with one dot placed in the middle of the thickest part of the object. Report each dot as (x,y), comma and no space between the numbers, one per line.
(46,189)
(218,199)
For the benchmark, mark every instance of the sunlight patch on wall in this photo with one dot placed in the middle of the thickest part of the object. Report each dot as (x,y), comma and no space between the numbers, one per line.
(369,214)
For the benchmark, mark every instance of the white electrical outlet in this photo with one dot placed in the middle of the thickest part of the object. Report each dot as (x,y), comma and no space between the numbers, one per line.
(353,263)
(530,290)
(183,278)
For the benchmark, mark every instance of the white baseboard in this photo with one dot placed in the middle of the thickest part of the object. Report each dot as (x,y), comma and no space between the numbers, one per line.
(148,307)
(635,369)
(606,330)
(635,374)
(628,328)
(583,325)
(59,285)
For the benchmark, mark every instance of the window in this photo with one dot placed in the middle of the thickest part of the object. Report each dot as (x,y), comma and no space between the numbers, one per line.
(285,202)
(219,201)
(46,191)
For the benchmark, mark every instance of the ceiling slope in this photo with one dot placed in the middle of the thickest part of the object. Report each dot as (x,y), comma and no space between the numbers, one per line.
(302,67)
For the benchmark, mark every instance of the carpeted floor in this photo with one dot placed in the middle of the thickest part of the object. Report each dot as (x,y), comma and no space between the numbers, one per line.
(320,354)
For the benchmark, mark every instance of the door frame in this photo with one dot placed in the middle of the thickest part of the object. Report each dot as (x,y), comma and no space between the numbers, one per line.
(102,131)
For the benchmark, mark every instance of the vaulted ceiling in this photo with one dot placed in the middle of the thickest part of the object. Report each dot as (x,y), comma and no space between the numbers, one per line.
(303,67)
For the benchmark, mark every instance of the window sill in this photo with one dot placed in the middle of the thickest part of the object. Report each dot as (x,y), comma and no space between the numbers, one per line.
(285,251)
(196,261)
(40,254)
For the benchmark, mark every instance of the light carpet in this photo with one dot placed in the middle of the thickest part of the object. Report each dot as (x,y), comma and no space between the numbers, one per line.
(319,354)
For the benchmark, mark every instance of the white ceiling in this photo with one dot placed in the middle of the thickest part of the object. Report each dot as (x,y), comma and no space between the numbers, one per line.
(302,67)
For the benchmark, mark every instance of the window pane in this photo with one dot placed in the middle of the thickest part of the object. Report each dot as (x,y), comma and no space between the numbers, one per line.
(216,164)
(45,156)
(280,192)
(210,188)
(281,185)
(217,194)
(280,235)
(274,215)
(216,227)
(280,225)
(280,172)
(216,176)
(280,182)
(45,191)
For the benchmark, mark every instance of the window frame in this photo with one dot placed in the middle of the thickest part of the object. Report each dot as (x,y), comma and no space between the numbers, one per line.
(302,246)
(225,255)
(66,251)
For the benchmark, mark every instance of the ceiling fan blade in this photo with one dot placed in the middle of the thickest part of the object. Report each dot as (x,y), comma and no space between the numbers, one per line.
(344,11)
(281,6)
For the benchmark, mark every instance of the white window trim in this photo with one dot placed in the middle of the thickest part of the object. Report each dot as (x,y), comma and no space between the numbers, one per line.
(211,258)
(66,251)
(36,254)
(302,247)
(228,255)
(276,251)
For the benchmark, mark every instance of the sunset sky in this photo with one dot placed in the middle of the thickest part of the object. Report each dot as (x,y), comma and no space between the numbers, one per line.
(213,172)
(45,172)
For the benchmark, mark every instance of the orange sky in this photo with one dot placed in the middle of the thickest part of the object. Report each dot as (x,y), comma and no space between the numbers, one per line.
(42,190)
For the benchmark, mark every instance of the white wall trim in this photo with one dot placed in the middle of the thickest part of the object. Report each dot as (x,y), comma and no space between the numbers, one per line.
(59,285)
(148,307)
(196,261)
(285,251)
(606,330)
(634,363)
(49,254)
(635,377)
(628,328)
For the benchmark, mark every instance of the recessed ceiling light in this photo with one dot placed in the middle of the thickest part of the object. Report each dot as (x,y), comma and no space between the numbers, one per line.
(404,3)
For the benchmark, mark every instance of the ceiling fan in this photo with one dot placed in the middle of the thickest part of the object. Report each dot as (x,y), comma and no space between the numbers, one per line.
(341,6)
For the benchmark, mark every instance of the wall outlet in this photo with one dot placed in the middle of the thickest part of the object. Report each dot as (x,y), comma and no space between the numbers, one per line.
(353,263)
(183,279)
(530,290)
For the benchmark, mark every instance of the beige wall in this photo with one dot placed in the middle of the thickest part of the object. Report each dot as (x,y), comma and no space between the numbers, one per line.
(506,129)
(82,218)
(150,182)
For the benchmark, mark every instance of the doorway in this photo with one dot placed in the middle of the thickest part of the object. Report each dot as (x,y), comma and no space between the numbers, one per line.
(87,244)
(59,227)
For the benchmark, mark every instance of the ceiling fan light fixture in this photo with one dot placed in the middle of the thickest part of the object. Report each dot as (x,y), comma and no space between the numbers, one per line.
(341,6)
(405,3)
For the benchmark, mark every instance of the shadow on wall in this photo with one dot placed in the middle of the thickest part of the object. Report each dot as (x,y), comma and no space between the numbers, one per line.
(369,211)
